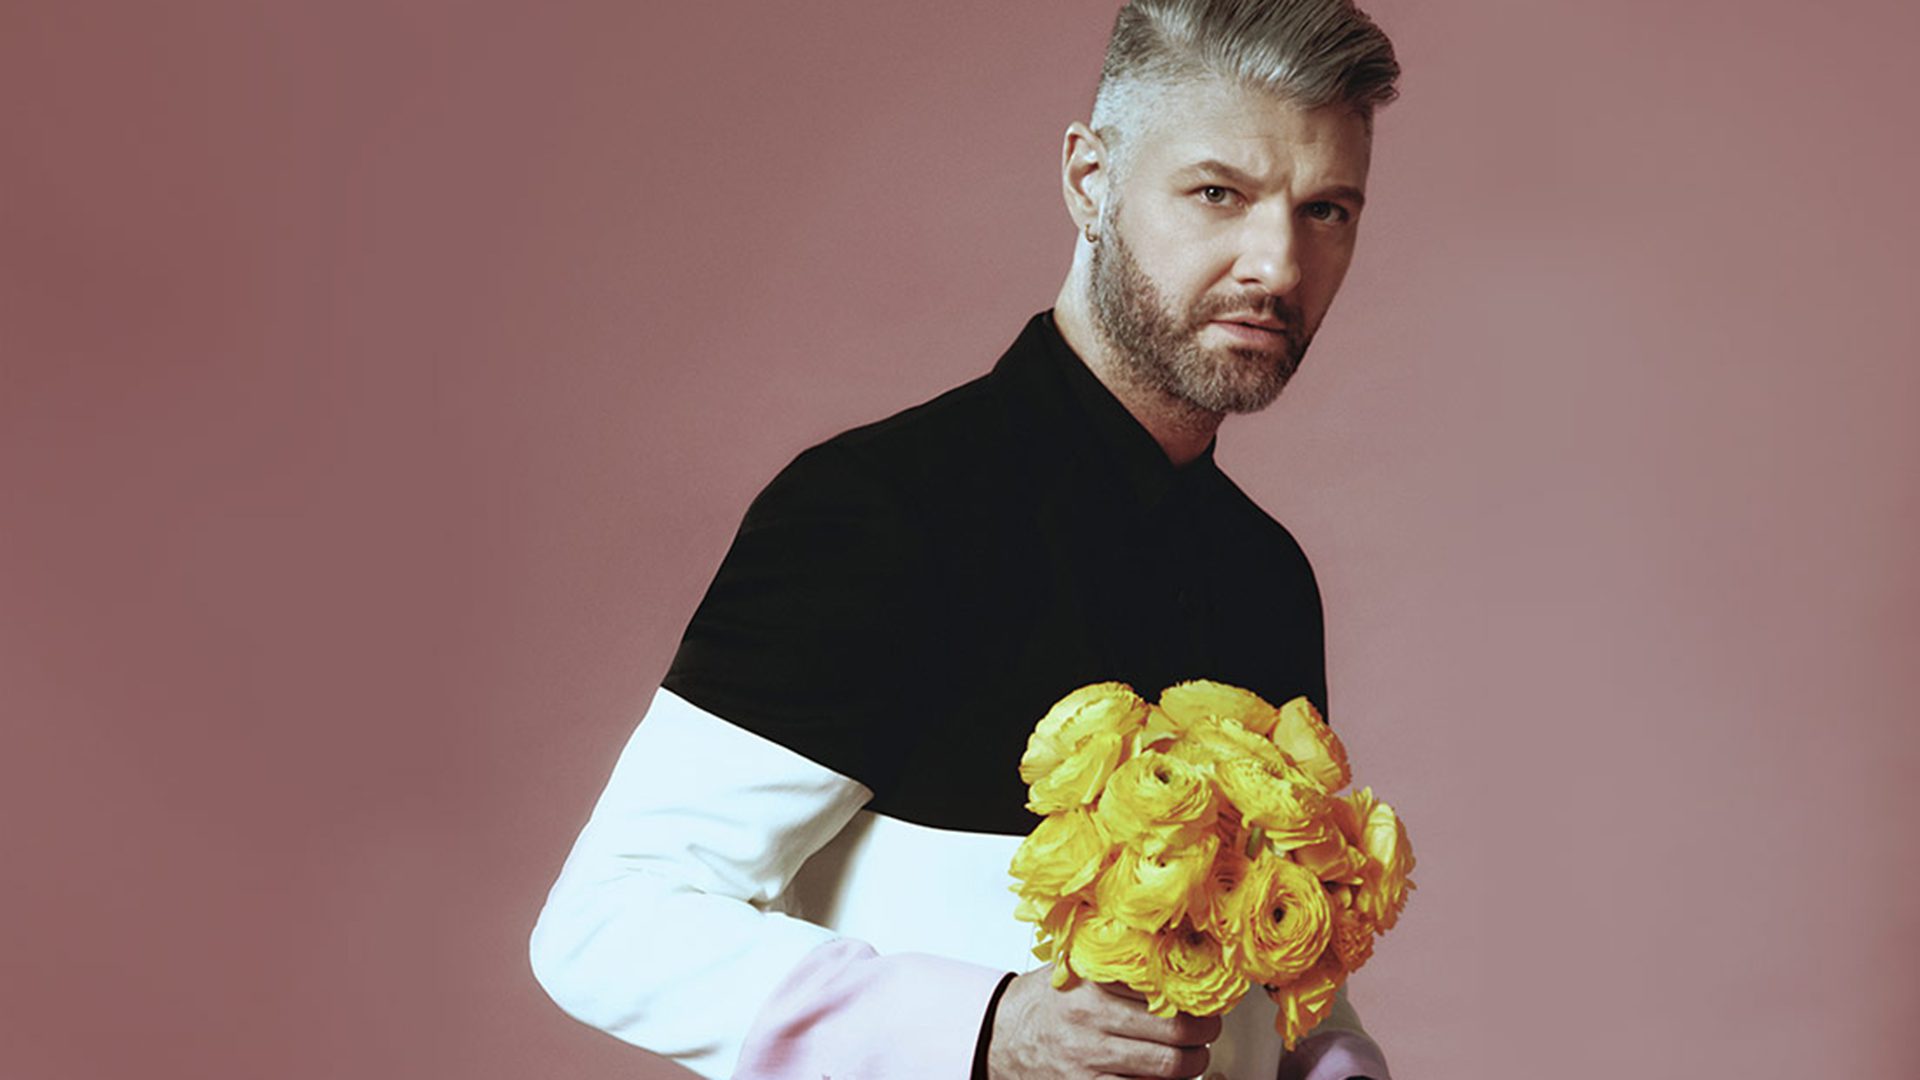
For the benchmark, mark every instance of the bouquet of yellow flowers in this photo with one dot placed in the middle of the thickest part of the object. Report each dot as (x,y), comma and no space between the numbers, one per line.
(1197,846)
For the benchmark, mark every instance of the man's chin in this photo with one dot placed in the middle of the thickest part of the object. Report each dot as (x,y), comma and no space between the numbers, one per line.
(1252,381)
(1253,401)
(1239,399)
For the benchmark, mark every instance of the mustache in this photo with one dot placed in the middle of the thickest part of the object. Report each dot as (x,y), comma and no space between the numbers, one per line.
(1252,303)
(1257,305)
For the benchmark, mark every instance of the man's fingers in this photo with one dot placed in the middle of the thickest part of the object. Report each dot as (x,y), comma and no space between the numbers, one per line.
(1131,1019)
(1089,1030)
(1198,1030)
(1139,1057)
(1121,990)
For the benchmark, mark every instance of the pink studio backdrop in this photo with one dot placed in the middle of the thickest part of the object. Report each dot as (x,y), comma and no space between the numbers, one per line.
(380,385)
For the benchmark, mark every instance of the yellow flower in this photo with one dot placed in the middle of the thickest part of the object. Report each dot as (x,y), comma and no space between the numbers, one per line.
(1076,746)
(1193,846)
(1348,865)
(1196,978)
(1277,919)
(1155,801)
(1353,935)
(1291,811)
(1208,741)
(1383,891)
(1063,854)
(1148,892)
(1229,869)
(1188,703)
(1333,860)
(1105,949)
(1054,919)
(1157,729)
(1303,735)
(1305,1001)
(1348,815)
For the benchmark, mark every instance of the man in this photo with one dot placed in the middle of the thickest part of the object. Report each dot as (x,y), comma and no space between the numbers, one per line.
(799,865)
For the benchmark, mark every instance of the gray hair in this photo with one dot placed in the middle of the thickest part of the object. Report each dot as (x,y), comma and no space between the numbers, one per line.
(1310,53)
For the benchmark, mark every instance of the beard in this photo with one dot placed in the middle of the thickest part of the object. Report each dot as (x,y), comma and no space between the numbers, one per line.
(1160,348)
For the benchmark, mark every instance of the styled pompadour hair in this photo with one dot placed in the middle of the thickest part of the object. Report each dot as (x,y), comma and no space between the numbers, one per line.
(1311,53)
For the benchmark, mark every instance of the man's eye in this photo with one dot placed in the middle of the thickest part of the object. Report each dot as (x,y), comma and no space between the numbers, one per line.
(1327,211)
(1215,195)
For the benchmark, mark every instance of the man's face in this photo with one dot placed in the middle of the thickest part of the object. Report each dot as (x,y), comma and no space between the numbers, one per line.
(1224,239)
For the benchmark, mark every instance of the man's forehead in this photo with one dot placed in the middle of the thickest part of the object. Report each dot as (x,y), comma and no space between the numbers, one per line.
(1186,125)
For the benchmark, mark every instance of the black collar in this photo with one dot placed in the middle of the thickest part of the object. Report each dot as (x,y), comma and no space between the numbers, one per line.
(1072,401)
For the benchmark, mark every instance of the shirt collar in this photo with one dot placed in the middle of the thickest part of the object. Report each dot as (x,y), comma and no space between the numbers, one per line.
(1044,362)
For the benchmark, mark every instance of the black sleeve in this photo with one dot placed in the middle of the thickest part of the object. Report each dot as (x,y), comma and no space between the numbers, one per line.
(985,1038)
(811,632)
(1303,634)
(1316,689)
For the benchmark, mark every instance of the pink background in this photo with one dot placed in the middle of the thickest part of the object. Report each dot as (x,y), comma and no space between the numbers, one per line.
(381,383)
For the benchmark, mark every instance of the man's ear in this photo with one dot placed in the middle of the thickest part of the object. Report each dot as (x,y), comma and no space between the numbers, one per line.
(1085,170)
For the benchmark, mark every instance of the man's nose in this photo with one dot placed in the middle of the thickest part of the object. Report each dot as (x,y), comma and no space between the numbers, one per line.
(1269,255)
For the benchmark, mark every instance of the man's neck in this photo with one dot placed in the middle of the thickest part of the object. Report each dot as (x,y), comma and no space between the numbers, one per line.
(1182,429)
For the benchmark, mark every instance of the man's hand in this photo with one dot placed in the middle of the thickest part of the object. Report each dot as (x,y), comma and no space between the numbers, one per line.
(1091,1030)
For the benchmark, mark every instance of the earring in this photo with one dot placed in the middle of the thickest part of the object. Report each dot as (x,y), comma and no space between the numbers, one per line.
(1087,231)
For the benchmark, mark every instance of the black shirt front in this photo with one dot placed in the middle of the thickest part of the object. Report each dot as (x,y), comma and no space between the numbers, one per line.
(905,600)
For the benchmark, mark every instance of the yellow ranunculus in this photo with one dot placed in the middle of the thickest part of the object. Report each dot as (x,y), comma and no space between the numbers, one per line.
(1305,1001)
(1303,735)
(1197,845)
(1063,854)
(1277,920)
(1105,949)
(1208,741)
(1332,860)
(1156,730)
(1188,703)
(1229,869)
(1075,747)
(1155,800)
(1054,918)
(1351,819)
(1353,935)
(1196,979)
(1045,910)
(1383,892)
(1281,803)
(1077,780)
(1100,707)
(1150,892)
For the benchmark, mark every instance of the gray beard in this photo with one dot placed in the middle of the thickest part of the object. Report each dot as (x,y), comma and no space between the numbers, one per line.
(1158,350)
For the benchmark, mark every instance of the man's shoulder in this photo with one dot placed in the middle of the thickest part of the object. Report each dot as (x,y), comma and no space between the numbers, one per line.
(940,424)
(1260,528)
(947,444)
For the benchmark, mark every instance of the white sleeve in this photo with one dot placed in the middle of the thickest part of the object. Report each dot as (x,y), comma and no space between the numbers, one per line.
(657,930)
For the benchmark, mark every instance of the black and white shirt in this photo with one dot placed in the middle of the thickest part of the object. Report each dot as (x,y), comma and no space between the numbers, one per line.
(799,866)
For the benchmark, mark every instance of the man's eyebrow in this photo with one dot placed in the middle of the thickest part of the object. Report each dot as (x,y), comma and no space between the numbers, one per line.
(1346,191)
(1213,168)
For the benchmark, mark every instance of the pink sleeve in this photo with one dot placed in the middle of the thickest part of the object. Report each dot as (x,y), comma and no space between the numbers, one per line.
(848,1013)
(1335,1055)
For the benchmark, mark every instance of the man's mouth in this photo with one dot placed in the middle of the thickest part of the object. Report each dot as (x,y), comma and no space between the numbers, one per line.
(1253,327)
